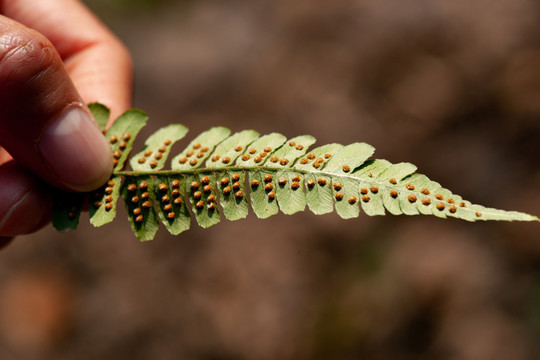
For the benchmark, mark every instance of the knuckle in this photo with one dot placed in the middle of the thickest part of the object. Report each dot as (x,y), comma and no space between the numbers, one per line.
(24,54)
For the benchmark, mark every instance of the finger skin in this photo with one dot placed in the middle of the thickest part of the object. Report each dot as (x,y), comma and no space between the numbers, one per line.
(35,94)
(98,63)
(26,202)
(5,241)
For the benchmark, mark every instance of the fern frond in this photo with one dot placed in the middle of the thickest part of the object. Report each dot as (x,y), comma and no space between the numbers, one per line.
(222,173)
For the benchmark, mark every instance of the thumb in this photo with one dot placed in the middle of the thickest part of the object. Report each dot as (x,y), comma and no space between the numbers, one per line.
(44,124)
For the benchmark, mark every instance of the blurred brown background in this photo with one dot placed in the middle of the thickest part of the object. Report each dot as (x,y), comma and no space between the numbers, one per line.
(451,86)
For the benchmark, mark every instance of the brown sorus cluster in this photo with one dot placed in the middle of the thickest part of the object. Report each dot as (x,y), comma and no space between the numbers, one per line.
(317,163)
(72,213)
(205,180)
(117,154)
(153,163)
(135,200)
(162,187)
(190,153)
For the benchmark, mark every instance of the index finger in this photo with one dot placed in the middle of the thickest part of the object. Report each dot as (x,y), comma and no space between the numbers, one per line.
(98,63)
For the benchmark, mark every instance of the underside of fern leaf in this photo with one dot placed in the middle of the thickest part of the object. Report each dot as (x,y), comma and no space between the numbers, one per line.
(219,174)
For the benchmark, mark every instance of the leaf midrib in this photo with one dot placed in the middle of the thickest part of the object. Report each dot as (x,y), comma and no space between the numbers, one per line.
(367,179)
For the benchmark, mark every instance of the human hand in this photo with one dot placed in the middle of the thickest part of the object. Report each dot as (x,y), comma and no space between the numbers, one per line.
(55,57)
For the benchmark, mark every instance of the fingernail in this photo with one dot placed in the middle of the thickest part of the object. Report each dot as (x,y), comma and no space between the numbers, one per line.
(76,151)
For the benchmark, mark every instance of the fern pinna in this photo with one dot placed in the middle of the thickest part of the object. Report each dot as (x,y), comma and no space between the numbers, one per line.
(273,173)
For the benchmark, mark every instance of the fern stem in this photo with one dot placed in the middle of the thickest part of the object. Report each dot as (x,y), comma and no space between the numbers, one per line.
(205,170)
(241,168)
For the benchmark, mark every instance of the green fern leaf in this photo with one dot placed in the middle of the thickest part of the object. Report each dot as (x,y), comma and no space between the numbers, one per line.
(138,195)
(101,114)
(199,149)
(233,201)
(102,202)
(157,147)
(172,210)
(67,208)
(222,173)
(263,196)
(200,187)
